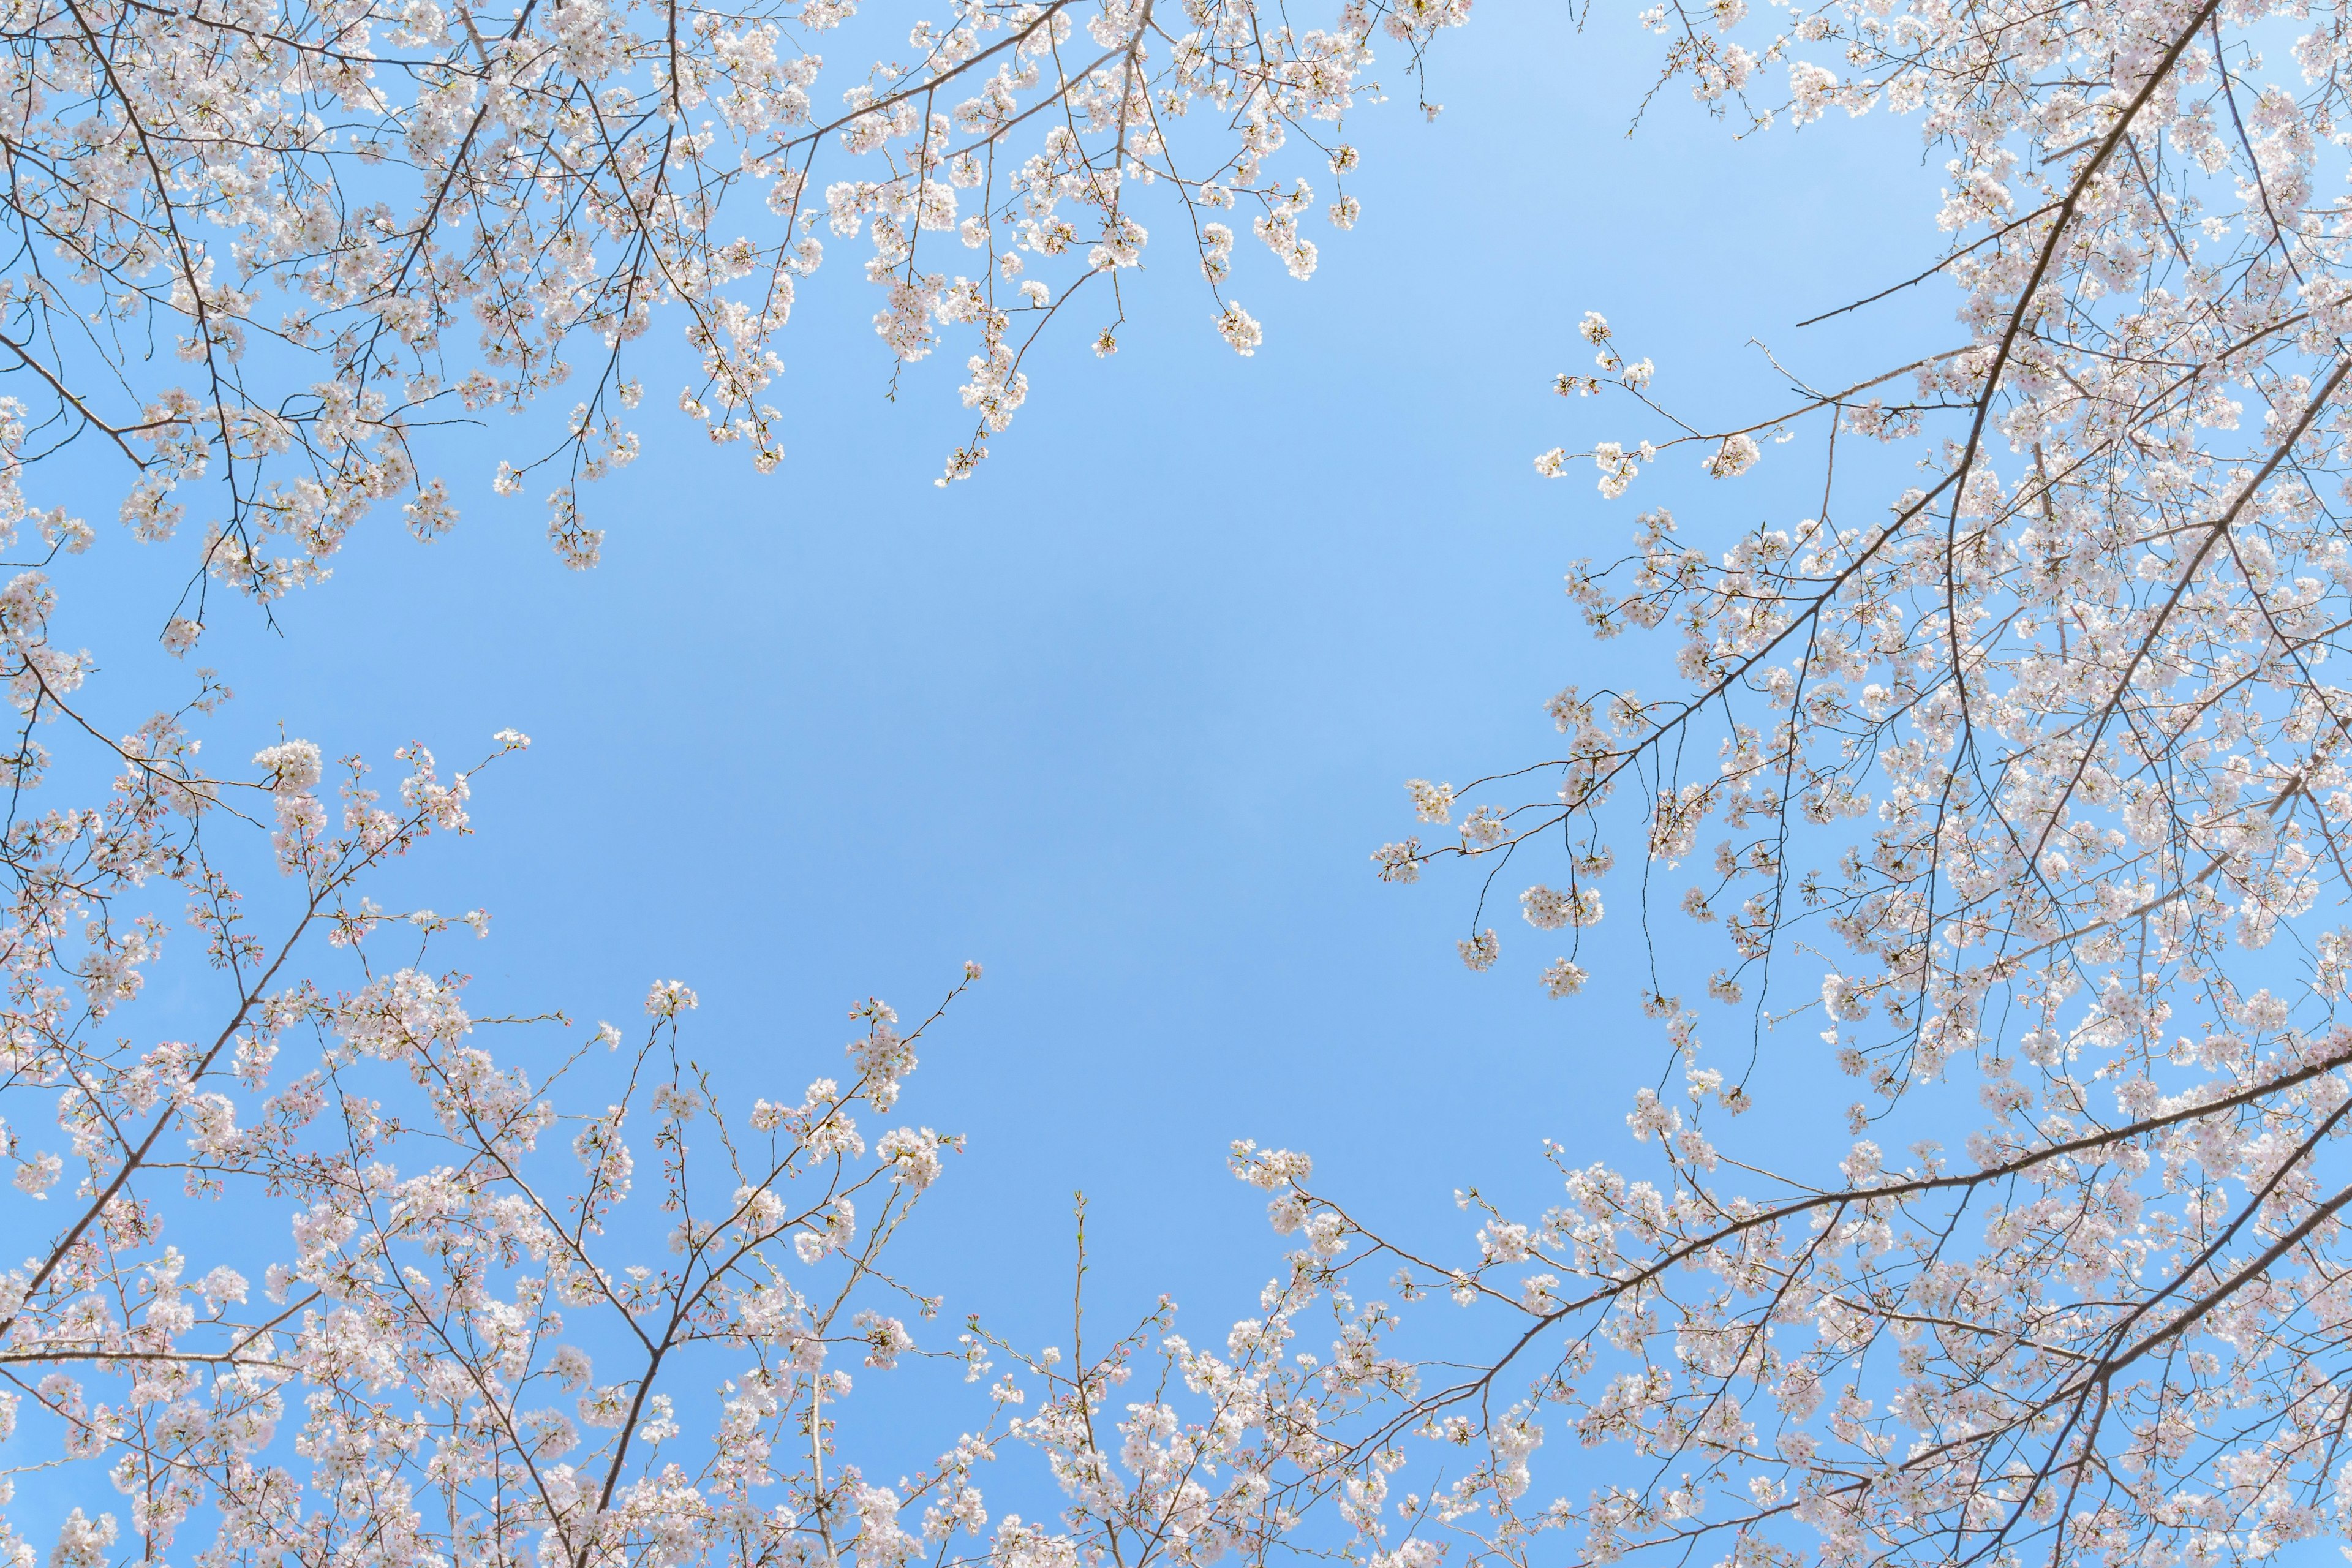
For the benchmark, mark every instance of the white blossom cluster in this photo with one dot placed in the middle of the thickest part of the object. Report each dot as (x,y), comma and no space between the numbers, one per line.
(506,1291)
(347,1274)
(2017,794)
(339,1283)
(337,227)
(2014,792)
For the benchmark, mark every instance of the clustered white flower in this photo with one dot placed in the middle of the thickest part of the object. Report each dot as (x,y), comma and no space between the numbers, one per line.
(2019,795)
(344,226)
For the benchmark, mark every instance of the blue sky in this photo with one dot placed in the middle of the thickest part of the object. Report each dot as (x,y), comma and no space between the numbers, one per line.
(1124,716)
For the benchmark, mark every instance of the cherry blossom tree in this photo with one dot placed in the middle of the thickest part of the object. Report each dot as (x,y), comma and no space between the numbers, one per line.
(355,1274)
(342,226)
(2009,792)
(261,256)
(2014,791)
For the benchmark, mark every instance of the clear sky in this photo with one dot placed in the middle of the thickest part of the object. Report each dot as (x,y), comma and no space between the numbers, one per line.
(1124,716)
